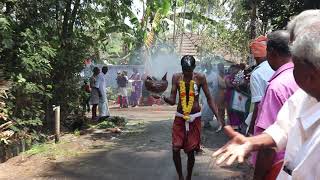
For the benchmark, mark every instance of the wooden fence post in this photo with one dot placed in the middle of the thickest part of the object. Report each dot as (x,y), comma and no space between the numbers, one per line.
(56,110)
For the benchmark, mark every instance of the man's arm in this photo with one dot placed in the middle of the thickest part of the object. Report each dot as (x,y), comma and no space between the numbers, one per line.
(256,96)
(173,95)
(210,99)
(275,136)
(240,146)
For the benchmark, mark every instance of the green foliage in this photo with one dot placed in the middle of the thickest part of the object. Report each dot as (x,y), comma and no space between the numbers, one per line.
(76,133)
(279,12)
(112,122)
(5,33)
(118,121)
(43,45)
(112,94)
(53,151)
(105,124)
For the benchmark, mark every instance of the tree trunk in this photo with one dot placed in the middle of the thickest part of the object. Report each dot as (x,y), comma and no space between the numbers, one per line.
(73,16)
(66,17)
(57,15)
(253,23)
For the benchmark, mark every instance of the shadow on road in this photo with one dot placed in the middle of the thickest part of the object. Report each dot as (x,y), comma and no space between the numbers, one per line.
(143,155)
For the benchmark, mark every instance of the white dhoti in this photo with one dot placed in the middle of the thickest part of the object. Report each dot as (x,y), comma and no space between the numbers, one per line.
(123,91)
(192,118)
(103,107)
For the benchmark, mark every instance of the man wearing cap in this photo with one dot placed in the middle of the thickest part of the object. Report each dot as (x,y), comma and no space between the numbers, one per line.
(280,87)
(260,76)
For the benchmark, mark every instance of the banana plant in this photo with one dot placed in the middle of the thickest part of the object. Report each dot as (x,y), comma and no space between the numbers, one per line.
(162,9)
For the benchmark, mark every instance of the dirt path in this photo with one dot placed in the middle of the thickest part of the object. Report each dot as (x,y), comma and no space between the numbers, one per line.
(142,152)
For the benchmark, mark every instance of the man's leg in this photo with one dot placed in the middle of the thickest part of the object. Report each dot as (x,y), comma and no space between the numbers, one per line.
(94,111)
(177,162)
(107,114)
(125,101)
(191,160)
(221,113)
(103,108)
(120,101)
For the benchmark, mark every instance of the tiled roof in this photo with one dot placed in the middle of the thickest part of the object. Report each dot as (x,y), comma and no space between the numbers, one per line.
(189,44)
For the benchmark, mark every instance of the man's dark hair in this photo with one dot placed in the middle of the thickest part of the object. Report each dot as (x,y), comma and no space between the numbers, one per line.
(104,69)
(96,70)
(188,63)
(278,41)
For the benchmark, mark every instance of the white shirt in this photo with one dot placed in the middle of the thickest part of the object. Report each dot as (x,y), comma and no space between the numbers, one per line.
(101,84)
(297,130)
(259,81)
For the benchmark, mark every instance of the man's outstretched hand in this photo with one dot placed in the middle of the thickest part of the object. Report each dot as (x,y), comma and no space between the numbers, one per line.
(237,148)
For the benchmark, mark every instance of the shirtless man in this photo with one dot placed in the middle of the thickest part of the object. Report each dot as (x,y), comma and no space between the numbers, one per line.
(187,124)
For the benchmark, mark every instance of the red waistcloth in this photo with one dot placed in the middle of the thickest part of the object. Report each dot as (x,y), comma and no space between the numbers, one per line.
(274,171)
(188,141)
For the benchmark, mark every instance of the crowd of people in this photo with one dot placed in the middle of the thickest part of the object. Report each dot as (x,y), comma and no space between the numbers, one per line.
(270,110)
(284,130)
(130,92)
(231,90)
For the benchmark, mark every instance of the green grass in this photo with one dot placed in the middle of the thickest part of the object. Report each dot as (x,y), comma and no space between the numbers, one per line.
(76,133)
(52,150)
(105,124)
(196,174)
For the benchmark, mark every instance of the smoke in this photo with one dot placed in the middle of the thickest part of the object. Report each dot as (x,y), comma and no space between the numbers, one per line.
(162,62)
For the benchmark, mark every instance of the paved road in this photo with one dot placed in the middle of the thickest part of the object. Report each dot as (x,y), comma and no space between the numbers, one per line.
(144,154)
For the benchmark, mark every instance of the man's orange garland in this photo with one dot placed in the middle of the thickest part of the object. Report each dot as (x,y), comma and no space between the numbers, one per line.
(186,108)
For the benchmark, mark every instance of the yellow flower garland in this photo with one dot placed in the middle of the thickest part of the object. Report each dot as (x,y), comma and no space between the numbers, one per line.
(186,108)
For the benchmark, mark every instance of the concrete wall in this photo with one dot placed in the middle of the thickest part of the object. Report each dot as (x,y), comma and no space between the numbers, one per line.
(112,73)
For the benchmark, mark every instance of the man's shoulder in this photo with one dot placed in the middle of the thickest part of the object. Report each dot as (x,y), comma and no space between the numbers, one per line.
(283,81)
(298,96)
(101,75)
(199,75)
(177,75)
(264,72)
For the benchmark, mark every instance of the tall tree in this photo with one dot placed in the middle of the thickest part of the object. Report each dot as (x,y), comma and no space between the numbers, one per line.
(43,46)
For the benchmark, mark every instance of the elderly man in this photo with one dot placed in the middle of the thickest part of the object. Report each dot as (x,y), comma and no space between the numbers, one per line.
(297,128)
(260,76)
(101,85)
(281,86)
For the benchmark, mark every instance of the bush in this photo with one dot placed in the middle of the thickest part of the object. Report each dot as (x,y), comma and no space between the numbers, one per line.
(106,124)
(118,121)
(112,122)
